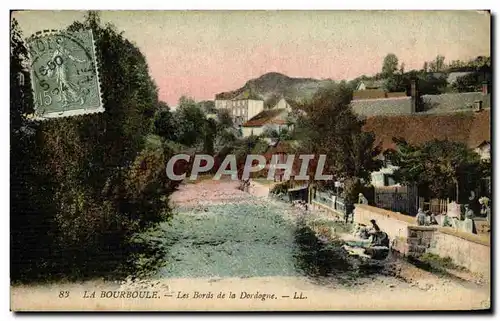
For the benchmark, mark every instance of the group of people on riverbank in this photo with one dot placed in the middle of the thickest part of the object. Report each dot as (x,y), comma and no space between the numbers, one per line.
(372,240)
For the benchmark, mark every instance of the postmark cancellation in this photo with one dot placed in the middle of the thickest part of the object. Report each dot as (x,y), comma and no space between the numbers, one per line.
(64,74)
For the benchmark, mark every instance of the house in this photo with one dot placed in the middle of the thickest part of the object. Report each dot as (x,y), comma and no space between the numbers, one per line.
(388,105)
(416,103)
(267,119)
(241,110)
(282,104)
(211,116)
(470,128)
(370,84)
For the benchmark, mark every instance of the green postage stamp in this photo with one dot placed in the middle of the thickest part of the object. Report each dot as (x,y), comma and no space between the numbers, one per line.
(64,74)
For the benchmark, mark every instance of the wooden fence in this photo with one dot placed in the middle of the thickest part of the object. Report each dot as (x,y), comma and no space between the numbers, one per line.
(435,205)
(403,199)
(327,199)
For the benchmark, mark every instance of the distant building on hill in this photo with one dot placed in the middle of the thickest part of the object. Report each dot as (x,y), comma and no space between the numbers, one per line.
(370,84)
(241,110)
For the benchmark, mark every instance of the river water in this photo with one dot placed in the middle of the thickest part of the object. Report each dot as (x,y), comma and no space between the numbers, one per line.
(251,237)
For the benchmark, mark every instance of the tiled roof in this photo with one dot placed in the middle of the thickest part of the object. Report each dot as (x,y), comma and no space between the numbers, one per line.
(480,129)
(453,101)
(384,106)
(265,117)
(470,128)
(431,104)
(373,83)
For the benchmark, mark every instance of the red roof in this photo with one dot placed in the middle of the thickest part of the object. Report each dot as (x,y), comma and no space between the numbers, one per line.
(266,117)
(469,128)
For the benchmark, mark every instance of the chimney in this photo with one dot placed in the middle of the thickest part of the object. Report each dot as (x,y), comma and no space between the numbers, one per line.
(414,96)
(485,88)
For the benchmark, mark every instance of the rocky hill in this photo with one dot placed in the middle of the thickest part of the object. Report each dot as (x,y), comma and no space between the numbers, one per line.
(273,86)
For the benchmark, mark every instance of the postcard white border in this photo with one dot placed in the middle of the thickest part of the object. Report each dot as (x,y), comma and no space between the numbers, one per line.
(201,4)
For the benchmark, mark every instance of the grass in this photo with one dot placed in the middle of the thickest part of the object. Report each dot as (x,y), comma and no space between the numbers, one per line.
(437,262)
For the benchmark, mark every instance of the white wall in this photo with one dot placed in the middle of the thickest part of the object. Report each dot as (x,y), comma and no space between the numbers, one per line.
(249,131)
(254,107)
(484,151)
(221,104)
(243,109)
(377,178)
(361,86)
(282,104)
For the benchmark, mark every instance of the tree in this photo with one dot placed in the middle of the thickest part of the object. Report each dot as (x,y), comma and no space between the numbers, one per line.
(330,127)
(164,123)
(81,168)
(402,69)
(425,68)
(446,169)
(30,198)
(209,134)
(225,119)
(471,82)
(390,65)
(437,65)
(190,122)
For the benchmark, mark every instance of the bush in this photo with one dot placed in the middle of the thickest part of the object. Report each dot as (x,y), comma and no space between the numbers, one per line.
(281,188)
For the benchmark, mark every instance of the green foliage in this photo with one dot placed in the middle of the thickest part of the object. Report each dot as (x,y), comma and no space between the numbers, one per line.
(436,263)
(480,63)
(83,185)
(225,119)
(437,65)
(260,147)
(390,65)
(244,147)
(164,124)
(209,134)
(395,83)
(281,188)
(447,169)
(352,188)
(330,127)
(471,82)
(190,121)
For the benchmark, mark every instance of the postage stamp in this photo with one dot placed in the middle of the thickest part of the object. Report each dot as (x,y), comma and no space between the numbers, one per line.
(251,161)
(64,74)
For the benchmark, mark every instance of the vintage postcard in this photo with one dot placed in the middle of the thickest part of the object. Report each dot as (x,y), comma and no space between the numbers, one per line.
(250,160)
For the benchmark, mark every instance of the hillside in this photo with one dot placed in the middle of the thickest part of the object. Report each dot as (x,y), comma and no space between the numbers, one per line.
(272,86)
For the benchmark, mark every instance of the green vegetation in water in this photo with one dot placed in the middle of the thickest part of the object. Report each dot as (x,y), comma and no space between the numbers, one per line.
(338,226)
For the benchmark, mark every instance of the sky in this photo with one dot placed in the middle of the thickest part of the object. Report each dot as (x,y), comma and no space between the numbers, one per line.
(202,53)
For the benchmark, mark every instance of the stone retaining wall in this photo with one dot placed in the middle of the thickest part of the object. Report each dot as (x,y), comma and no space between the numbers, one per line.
(465,249)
